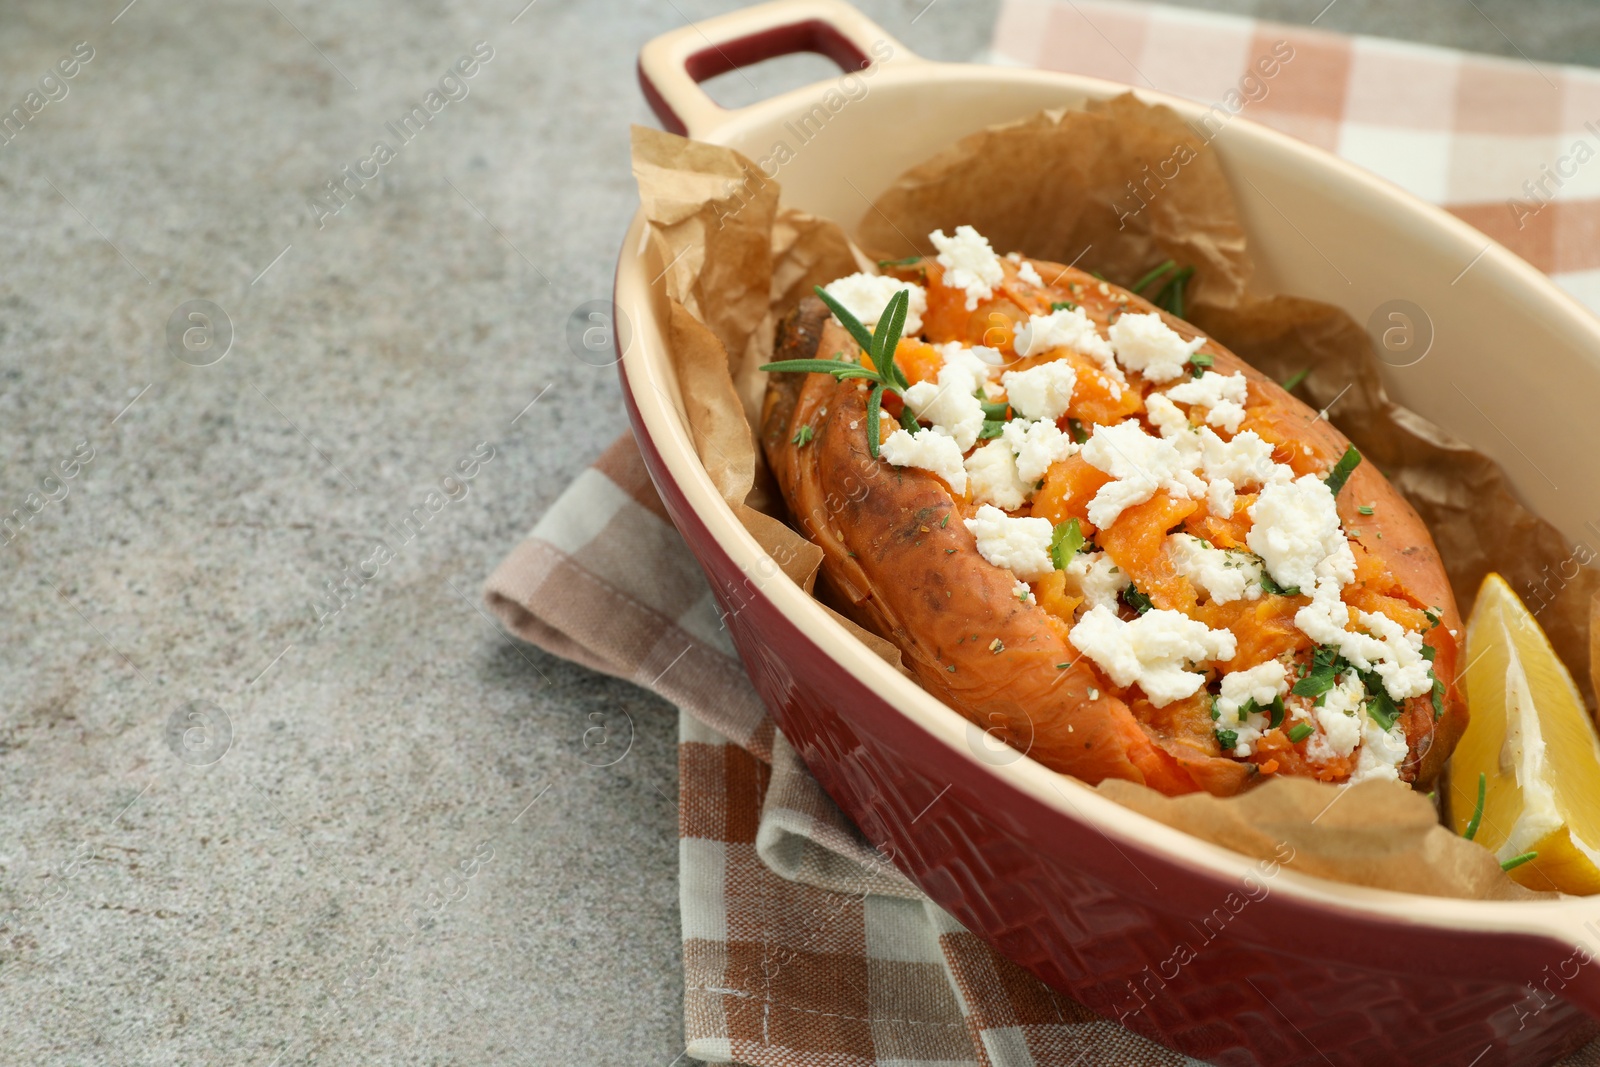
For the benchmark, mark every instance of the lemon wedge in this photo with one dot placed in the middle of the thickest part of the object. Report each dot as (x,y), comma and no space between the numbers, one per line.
(1531,738)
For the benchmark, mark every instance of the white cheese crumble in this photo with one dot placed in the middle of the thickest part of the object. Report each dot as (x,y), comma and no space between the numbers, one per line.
(1151,651)
(969,263)
(1263,683)
(1022,592)
(951,403)
(1222,575)
(1028,274)
(1020,545)
(866,295)
(1382,752)
(1168,419)
(1145,344)
(1297,535)
(1245,460)
(1064,328)
(1041,392)
(1338,720)
(1387,648)
(992,473)
(1223,396)
(1096,578)
(1139,464)
(931,451)
(1228,465)
(1037,445)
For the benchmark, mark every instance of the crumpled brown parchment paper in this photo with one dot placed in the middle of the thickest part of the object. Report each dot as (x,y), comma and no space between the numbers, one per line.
(1054,187)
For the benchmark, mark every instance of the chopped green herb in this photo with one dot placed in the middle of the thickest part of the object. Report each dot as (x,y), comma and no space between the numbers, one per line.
(1342,470)
(1215,712)
(991,429)
(1227,738)
(801,436)
(1299,732)
(1136,600)
(1062,666)
(1199,362)
(1325,663)
(1276,709)
(1062,305)
(879,346)
(944,521)
(1097,274)
(1518,861)
(1270,586)
(993,409)
(1380,705)
(1065,542)
(1477,813)
(951,668)
(906,262)
(1365,509)
(1428,652)
(1433,620)
(1079,434)
(1295,379)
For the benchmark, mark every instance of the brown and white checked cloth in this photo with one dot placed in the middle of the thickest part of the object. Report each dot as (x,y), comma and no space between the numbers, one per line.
(801,944)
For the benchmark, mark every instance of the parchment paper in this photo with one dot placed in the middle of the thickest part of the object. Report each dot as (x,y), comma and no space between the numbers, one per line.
(1055,186)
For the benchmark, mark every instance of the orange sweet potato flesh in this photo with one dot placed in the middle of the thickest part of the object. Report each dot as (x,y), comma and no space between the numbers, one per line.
(899,560)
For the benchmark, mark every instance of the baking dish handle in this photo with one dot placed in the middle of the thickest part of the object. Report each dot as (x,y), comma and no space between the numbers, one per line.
(672,66)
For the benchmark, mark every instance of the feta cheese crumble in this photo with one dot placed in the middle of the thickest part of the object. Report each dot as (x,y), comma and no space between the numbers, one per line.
(1097,578)
(1020,545)
(1382,753)
(929,450)
(1387,649)
(1063,328)
(1263,683)
(1042,392)
(950,403)
(1168,419)
(1022,592)
(1027,272)
(1339,720)
(992,474)
(1151,651)
(969,263)
(1297,535)
(866,295)
(1222,575)
(1139,464)
(1229,465)
(1145,344)
(1223,396)
(1037,445)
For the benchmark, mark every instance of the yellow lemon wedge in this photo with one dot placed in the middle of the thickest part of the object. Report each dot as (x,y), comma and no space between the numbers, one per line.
(1531,738)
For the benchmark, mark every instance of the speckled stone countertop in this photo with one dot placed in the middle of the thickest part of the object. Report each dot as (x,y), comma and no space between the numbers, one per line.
(241,822)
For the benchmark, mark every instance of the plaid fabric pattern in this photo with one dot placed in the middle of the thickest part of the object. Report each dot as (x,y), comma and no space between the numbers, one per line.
(801,943)
(1508,145)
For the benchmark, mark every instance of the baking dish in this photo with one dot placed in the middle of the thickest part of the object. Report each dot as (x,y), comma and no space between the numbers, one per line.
(1091,897)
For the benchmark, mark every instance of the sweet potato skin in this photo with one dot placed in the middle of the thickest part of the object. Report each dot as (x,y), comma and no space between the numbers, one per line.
(899,559)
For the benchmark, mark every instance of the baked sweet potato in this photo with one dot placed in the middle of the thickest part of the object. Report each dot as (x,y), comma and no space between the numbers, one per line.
(905,548)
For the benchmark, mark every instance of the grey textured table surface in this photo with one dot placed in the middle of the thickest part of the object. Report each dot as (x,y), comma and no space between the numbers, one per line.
(230,833)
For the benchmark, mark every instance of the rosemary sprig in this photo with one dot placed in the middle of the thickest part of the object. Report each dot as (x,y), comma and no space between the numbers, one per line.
(879,345)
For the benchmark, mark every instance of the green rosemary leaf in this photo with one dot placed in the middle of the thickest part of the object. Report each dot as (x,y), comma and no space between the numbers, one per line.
(862,335)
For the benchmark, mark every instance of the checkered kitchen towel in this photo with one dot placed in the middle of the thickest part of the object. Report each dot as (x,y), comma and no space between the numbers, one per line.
(801,944)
